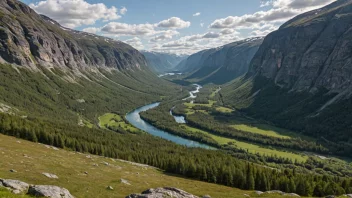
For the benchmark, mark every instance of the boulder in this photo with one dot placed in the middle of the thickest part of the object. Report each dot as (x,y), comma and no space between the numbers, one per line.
(125,182)
(259,192)
(49,175)
(49,191)
(292,195)
(163,192)
(17,187)
(110,188)
(206,196)
(13,171)
(349,195)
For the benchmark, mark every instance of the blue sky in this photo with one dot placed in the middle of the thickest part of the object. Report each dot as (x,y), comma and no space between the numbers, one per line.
(175,26)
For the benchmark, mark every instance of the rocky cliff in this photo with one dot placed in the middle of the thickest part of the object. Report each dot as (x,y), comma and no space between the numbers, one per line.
(29,39)
(162,62)
(311,51)
(223,64)
(300,78)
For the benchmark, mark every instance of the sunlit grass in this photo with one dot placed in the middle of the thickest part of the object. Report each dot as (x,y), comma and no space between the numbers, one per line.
(31,159)
(114,120)
(251,148)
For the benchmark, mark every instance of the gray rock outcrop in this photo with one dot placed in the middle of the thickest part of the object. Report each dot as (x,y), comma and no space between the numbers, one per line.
(162,193)
(16,186)
(49,191)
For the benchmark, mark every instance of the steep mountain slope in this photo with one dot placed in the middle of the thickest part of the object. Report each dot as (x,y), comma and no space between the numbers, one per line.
(162,62)
(29,39)
(48,70)
(220,65)
(300,77)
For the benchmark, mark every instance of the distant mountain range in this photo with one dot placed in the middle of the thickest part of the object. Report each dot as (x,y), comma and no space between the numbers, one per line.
(160,62)
(220,65)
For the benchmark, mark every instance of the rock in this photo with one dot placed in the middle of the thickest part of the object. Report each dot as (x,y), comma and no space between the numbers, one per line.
(246,195)
(13,171)
(330,196)
(206,196)
(106,164)
(85,172)
(110,188)
(125,182)
(17,187)
(275,192)
(292,195)
(49,191)
(49,175)
(348,195)
(259,192)
(162,193)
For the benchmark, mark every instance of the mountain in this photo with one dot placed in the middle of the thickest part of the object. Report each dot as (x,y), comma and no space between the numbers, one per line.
(29,39)
(300,78)
(222,64)
(49,70)
(162,62)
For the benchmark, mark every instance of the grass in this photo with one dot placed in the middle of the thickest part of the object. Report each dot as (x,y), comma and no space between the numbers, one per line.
(224,109)
(31,159)
(114,120)
(191,105)
(251,148)
(263,129)
(4,193)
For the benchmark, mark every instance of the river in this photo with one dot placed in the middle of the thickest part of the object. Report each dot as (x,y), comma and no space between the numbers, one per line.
(135,119)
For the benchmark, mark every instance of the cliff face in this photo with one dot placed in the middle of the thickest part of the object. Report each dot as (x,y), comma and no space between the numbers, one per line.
(162,62)
(311,51)
(29,39)
(223,64)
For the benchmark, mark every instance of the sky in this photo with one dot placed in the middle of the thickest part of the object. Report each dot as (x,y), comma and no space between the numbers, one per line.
(175,26)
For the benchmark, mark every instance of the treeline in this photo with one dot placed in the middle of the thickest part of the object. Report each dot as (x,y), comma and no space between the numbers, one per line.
(297,111)
(206,165)
(213,125)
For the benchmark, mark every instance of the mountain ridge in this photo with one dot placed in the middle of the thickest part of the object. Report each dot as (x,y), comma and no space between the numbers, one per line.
(29,39)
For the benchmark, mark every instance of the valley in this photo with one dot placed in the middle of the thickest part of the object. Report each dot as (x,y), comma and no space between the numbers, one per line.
(261,116)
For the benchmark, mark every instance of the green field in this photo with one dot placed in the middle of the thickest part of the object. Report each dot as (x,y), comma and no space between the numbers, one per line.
(263,129)
(113,120)
(31,159)
(224,110)
(251,148)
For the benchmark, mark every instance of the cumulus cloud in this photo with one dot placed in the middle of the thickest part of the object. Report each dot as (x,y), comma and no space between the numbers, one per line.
(125,29)
(281,11)
(75,13)
(196,14)
(201,24)
(135,42)
(174,23)
(165,35)
(92,30)
(123,10)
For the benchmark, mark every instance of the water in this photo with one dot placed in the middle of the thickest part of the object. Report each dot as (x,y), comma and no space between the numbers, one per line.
(178,119)
(191,93)
(135,119)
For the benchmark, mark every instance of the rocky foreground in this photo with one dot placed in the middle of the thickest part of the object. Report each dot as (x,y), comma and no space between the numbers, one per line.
(19,187)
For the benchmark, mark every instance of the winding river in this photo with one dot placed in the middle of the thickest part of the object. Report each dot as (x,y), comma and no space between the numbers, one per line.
(135,119)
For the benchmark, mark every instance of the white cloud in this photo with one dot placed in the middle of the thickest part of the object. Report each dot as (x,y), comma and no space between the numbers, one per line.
(135,42)
(174,23)
(281,11)
(75,13)
(92,30)
(201,24)
(123,10)
(121,29)
(196,14)
(165,35)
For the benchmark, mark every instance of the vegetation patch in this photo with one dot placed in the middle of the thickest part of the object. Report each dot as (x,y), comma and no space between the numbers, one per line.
(251,148)
(114,122)
(263,130)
